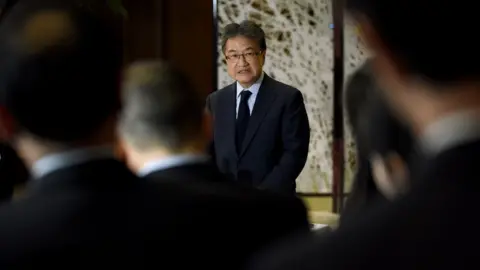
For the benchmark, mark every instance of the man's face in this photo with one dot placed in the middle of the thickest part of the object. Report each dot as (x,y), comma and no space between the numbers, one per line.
(244,60)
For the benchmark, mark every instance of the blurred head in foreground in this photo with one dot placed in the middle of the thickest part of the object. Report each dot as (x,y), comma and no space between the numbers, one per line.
(424,72)
(59,71)
(383,143)
(163,114)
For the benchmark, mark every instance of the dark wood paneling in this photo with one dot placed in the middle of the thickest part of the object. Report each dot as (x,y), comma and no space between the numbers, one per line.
(188,40)
(178,31)
(143,29)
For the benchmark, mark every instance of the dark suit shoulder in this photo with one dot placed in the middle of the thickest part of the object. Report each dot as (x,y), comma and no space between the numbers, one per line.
(222,91)
(214,97)
(225,88)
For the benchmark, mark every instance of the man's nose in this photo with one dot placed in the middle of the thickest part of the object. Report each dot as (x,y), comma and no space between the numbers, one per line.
(242,62)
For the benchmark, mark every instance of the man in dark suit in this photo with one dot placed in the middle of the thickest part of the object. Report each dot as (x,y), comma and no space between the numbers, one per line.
(164,132)
(261,130)
(377,132)
(59,71)
(434,225)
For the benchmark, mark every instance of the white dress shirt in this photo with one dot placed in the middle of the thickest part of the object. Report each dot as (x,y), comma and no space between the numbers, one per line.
(254,89)
(170,162)
(450,131)
(56,161)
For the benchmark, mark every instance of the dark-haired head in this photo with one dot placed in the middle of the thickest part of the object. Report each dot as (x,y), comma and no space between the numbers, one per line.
(59,72)
(426,54)
(428,38)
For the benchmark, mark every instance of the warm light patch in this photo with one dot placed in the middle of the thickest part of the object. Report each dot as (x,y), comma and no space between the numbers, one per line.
(46,29)
(142,74)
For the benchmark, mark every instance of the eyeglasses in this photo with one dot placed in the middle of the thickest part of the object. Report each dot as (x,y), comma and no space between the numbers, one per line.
(249,56)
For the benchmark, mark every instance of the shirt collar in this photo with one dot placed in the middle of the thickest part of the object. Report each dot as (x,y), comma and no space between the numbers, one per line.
(453,130)
(254,88)
(72,157)
(170,162)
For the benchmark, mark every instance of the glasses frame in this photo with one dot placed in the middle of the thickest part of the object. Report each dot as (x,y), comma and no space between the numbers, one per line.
(242,55)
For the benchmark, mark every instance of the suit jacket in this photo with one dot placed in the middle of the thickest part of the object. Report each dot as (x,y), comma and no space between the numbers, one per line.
(99,213)
(432,227)
(254,219)
(275,147)
(12,172)
(191,173)
(375,130)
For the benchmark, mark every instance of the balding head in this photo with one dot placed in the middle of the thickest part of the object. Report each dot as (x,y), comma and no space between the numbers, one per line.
(161,108)
(59,68)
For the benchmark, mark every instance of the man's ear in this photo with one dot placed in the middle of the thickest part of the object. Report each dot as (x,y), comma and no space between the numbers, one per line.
(383,177)
(119,149)
(7,125)
(399,171)
(264,57)
(390,174)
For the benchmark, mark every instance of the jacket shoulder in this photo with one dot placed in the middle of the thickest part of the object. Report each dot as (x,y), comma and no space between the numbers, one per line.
(221,91)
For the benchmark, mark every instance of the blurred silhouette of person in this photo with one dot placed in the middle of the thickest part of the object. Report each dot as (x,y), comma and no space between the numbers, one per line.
(59,101)
(164,132)
(431,83)
(384,145)
(58,78)
(261,129)
(13,171)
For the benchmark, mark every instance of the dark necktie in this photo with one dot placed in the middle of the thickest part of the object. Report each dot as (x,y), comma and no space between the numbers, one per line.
(242,119)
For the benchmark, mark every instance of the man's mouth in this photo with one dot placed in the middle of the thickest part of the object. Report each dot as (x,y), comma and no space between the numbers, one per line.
(243,71)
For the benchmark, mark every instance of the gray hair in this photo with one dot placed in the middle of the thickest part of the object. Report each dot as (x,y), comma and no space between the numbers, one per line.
(160,107)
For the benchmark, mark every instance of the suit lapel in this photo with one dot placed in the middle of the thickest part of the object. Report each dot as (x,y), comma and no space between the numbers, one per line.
(265,97)
(228,103)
